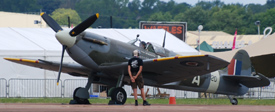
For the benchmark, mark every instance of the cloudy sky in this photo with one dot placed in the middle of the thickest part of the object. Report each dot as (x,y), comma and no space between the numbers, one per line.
(244,2)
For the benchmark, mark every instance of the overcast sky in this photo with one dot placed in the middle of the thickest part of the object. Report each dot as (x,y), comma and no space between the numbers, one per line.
(244,2)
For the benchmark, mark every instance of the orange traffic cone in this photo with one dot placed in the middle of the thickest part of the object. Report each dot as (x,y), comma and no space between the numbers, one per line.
(172,98)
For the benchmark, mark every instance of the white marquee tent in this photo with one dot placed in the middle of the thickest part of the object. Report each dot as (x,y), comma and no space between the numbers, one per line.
(40,43)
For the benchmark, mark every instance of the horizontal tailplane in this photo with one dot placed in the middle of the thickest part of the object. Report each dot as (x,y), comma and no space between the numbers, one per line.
(257,80)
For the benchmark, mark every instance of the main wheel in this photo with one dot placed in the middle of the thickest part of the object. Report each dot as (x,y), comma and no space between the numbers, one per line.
(80,100)
(110,91)
(119,95)
(234,101)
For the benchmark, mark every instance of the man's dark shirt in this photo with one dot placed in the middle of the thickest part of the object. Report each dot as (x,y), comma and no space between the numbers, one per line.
(135,63)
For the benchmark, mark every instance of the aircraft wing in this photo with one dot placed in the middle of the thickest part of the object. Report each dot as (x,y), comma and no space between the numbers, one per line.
(249,81)
(170,69)
(70,68)
(159,71)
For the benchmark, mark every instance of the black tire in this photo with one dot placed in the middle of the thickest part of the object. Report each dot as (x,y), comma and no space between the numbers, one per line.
(119,95)
(80,100)
(110,91)
(234,101)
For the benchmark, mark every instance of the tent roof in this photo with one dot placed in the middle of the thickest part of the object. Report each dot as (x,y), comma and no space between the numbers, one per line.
(220,40)
(28,42)
(262,47)
(42,41)
(206,47)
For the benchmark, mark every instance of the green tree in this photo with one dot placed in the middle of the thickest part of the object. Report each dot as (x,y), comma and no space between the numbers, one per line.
(194,17)
(148,6)
(19,6)
(68,4)
(256,8)
(160,17)
(214,15)
(182,7)
(116,8)
(266,19)
(270,4)
(61,16)
(206,5)
(134,6)
(165,7)
(49,6)
(228,18)
(218,3)
(171,7)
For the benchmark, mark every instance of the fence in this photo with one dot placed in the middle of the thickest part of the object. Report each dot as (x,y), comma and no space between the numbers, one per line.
(35,88)
(3,87)
(262,92)
(71,84)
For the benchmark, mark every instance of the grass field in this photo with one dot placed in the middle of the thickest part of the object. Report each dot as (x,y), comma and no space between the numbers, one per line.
(152,101)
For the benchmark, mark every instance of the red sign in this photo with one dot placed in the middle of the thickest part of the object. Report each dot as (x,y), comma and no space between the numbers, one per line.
(177,30)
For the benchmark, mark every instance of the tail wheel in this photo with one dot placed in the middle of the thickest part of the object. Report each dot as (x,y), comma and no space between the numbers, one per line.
(80,100)
(119,95)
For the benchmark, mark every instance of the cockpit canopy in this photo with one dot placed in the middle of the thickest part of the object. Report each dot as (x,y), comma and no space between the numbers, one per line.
(149,46)
(155,48)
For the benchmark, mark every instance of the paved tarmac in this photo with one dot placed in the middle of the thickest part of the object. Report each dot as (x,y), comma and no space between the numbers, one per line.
(16,107)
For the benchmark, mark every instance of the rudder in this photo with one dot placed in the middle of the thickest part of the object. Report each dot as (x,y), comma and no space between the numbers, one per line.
(240,64)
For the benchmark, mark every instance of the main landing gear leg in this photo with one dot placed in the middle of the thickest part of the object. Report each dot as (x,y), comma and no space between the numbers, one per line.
(233,101)
(81,95)
(118,94)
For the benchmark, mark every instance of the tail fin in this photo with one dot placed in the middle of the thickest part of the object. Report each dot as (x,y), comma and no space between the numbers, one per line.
(240,71)
(240,64)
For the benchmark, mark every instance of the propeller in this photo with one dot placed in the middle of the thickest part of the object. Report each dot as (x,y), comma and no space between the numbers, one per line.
(163,44)
(52,23)
(69,22)
(61,63)
(67,38)
(84,25)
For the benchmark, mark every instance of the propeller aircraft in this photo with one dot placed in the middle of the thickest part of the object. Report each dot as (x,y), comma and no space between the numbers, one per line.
(104,61)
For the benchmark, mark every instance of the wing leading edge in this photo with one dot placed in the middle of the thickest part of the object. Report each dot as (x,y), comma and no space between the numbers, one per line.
(159,71)
(70,68)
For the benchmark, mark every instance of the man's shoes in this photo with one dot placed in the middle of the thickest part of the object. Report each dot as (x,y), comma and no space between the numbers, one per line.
(145,103)
(136,103)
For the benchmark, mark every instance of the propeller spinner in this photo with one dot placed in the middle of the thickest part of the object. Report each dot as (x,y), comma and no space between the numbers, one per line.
(65,37)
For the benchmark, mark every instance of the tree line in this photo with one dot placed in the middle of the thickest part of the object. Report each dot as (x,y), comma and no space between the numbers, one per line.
(213,15)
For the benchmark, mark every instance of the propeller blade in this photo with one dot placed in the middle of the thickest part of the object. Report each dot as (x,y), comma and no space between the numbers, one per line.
(60,66)
(84,25)
(69,22)
(163,44)
(52,23)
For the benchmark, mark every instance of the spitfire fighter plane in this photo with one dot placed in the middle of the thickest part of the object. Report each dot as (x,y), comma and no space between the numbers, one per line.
(104,61)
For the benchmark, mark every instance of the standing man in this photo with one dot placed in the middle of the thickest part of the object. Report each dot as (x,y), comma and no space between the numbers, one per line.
(135,66)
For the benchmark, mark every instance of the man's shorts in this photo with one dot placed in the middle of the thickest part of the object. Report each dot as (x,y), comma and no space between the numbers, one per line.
(138,82)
